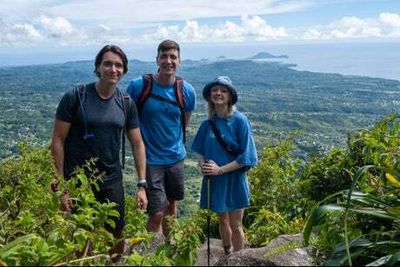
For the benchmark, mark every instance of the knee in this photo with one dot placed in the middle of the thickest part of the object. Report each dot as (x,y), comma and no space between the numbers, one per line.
(154,222)
(224,221)
(171,209)
(157,217)
(236,226)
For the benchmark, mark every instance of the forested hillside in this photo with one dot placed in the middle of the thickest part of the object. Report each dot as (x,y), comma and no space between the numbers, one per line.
(277,98)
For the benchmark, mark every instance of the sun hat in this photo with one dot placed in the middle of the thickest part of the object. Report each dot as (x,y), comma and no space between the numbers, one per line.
(223,81)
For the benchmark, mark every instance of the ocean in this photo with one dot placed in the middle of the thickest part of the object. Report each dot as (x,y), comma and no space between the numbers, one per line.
(374,59)
(380,60)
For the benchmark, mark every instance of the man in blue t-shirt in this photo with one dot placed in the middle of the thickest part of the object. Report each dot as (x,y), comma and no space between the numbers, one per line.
(88,125)
(163,134)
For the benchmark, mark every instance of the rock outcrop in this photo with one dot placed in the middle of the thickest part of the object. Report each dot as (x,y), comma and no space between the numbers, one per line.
(264,256)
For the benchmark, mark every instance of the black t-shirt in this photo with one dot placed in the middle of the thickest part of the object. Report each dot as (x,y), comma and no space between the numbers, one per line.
(105,120)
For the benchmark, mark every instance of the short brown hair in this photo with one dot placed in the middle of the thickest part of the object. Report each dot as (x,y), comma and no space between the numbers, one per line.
(168,45)
(110,48)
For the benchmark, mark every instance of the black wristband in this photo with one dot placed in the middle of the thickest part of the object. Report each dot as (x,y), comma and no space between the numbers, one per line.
(142,184)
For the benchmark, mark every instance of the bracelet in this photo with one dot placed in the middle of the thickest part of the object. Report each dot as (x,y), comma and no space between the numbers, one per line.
(220,171)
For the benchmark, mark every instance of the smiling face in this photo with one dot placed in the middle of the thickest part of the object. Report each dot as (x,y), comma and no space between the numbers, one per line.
(220,95)
(168,62)
(111,68)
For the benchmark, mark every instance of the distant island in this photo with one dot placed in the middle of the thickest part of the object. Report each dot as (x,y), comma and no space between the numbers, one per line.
(266,55)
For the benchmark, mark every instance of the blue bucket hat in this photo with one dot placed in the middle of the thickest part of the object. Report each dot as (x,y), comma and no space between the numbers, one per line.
(223,81)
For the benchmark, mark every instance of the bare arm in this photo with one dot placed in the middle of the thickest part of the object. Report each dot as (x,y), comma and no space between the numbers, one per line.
(211,168)
(138,150)
(139,154)
(60,133)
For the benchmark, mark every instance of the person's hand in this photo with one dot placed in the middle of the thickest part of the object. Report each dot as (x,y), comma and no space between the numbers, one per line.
(66,202)
(210,168)
(54,185)
(142,198)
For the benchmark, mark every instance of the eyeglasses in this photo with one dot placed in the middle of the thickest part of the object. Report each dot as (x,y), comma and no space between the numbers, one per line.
(109,64)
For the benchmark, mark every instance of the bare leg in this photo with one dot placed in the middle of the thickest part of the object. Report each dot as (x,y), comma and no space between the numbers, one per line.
(117,251)
(172,211)
(235,220)
(154,222)
(225,231)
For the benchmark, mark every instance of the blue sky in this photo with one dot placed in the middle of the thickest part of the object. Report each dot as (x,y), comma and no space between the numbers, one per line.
(76,26)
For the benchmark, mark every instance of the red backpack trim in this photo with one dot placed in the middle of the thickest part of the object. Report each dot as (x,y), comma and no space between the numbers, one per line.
(146,93)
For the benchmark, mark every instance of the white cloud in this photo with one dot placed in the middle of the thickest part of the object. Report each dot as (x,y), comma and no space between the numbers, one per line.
(311,34)
(18,34)
(393,20)
(133,22)
(228,31)
(250,28)
(56,27)
(386,25)
(257,27)
(26,30)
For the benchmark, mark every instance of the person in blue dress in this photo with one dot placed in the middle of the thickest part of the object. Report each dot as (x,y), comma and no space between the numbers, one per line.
(225,161)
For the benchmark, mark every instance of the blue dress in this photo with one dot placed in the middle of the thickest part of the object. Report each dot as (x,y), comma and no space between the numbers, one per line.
(229,191)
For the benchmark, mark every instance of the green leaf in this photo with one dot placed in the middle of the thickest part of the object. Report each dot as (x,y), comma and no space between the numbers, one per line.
(395,258)
(379,213)
(317,217)
(14,245)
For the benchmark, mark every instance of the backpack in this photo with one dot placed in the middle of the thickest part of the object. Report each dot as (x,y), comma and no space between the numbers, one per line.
(79,92)
(180,101)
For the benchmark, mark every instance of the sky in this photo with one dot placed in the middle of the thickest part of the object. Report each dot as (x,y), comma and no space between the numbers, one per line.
(45,29)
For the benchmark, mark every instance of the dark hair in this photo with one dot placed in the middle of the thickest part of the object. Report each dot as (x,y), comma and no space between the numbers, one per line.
(110,48)
(168,45)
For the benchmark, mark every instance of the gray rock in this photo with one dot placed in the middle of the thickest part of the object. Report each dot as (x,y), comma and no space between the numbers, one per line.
(271,255)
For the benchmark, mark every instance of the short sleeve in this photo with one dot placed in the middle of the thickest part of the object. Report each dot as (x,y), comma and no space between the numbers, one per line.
(190,97)
(133,119)
(65,110)
(248,157)
(199,139)
(135,88)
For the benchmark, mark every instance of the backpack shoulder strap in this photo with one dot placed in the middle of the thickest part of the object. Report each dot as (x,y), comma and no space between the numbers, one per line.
(79,95)
(147,87)
(221,141)
(219,138)
(126,104)
(181,102)
(179,92)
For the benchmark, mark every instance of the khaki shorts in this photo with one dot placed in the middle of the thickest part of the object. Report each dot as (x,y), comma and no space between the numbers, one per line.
(164,182)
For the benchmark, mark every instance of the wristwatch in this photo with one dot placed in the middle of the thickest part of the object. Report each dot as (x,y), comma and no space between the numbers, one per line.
(142,183)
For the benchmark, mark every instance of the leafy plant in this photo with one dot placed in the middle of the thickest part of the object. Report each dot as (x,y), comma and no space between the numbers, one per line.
(370,208)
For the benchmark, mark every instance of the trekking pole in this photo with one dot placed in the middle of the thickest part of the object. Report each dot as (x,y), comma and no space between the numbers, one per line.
(208,219)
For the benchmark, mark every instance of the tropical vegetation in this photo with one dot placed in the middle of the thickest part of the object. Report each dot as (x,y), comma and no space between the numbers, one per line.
(329,168)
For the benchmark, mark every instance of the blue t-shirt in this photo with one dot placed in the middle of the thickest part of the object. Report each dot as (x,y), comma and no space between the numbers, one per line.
(229,191)
(105,120)
(160,122)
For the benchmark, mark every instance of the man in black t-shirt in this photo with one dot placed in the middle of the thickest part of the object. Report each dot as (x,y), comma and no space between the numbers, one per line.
(89,124)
